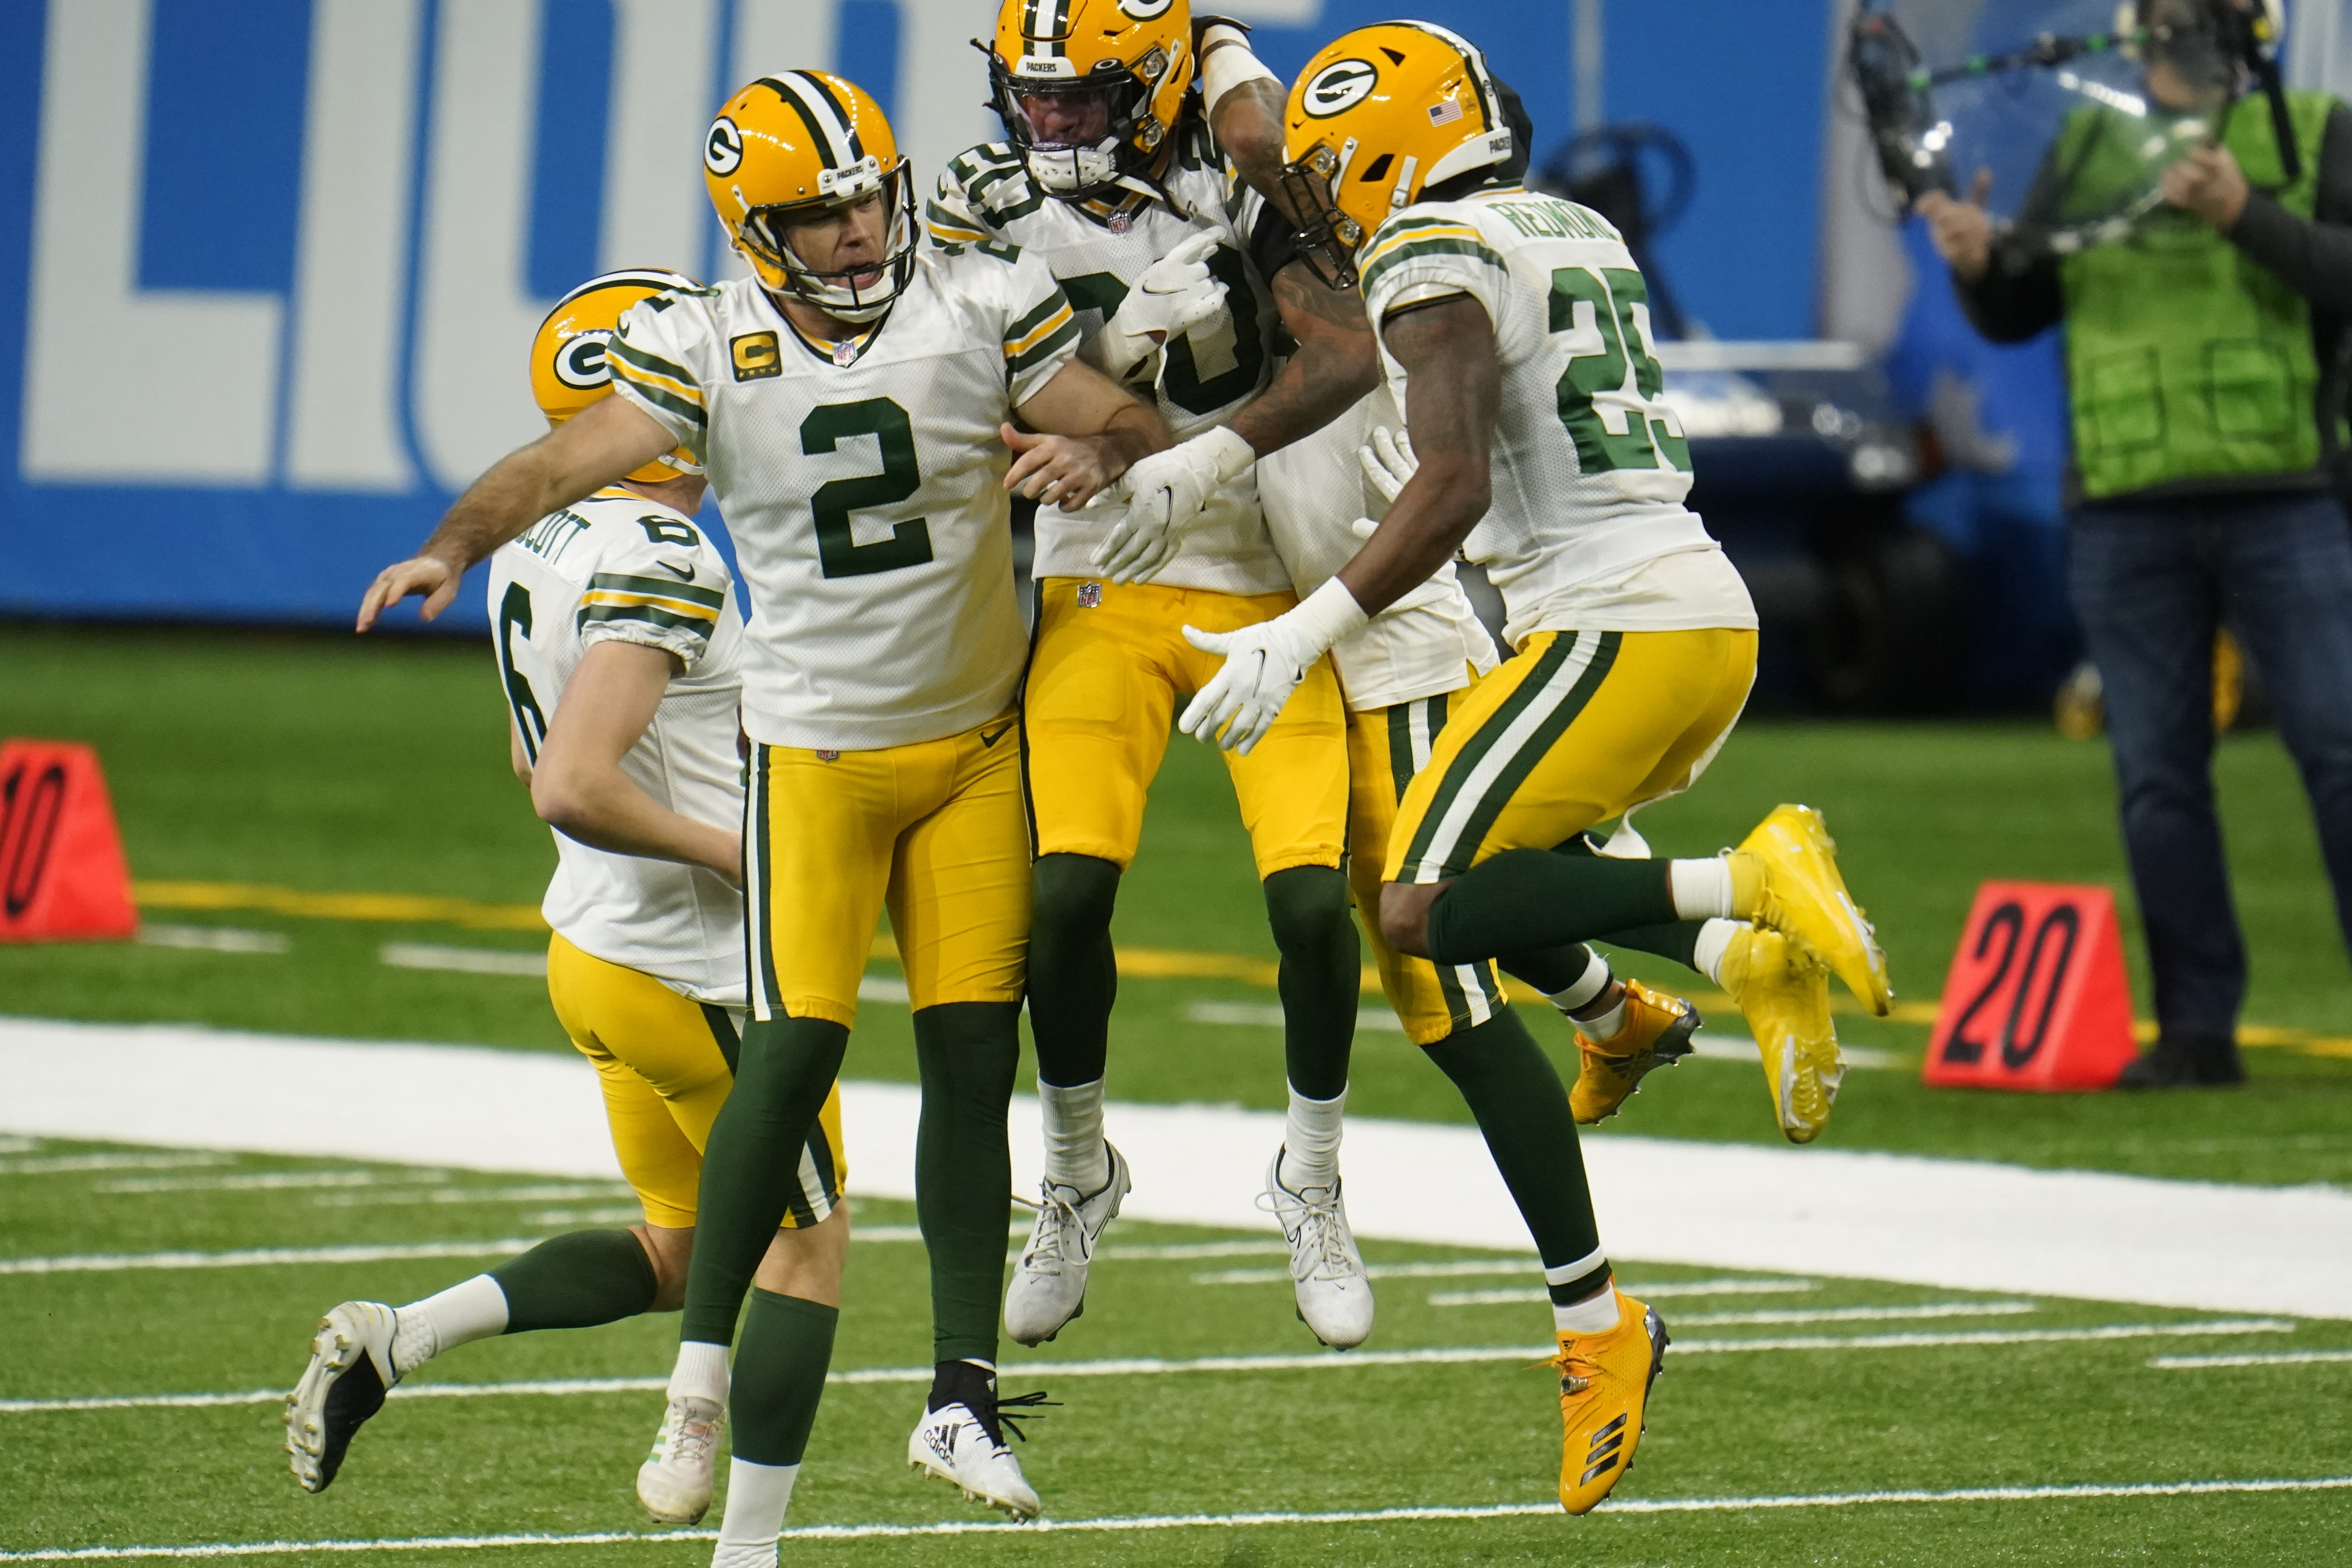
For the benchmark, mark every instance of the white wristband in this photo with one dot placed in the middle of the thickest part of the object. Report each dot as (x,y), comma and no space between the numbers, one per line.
(1329,613)
(1222,70)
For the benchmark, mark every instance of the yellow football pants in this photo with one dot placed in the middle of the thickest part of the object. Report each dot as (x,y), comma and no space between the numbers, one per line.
(1386,747)
(1106,668)
(1574,728)
(933,831)
(665,1063)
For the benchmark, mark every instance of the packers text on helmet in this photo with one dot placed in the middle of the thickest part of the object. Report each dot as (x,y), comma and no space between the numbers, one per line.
(568,371)
(791,149)
(1089,89)
(1377,118)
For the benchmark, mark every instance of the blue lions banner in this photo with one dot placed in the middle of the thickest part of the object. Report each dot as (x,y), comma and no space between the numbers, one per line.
(268,268)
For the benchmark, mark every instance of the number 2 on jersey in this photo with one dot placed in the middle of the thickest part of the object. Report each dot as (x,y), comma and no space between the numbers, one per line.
(838,554)
(1611,295)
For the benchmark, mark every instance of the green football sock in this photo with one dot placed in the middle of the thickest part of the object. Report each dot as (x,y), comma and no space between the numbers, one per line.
(1321,975)
(1549,970)
(967,1053)
(1072,973)
(1534,898)
(1678,940)
(779,1376)
(577,1281)
(1522,1109)
(751,1166)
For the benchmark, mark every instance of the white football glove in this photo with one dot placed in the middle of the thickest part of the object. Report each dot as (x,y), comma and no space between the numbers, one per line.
(1264,665)
(1388,461)
(1165,493)
(1175,294)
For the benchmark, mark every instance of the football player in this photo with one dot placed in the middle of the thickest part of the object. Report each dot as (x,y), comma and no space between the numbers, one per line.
(1309,489)
(1109,171)
(619,654)
(847,400)
(1513,333)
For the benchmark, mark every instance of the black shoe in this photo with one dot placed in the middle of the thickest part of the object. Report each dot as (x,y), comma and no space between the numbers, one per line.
(2186,1061)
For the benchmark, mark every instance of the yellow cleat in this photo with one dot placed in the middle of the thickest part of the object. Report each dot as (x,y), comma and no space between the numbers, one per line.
(1604,1396)
(1784,994)
(1656,1034)
(1784,875)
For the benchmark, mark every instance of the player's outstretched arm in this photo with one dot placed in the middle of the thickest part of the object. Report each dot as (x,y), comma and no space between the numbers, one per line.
(578,787)
(1090,430)
(1447,349)
(1244,100)
(576,459)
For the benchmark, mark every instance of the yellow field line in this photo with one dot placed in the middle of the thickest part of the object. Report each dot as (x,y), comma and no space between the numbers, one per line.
(1137,963)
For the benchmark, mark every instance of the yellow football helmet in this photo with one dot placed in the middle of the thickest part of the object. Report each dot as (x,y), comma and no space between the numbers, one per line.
(1377,119)
(1088,89)
(790,147)
(568,371)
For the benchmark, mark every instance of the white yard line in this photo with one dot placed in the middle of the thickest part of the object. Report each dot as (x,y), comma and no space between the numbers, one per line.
(1474,1267)
(1205,1521)
(212,939)
(2272,1358)
(1154,1367)
(1946,1224)
(273,1257)
(74,1164)
(1853,1314)
(1707,1044)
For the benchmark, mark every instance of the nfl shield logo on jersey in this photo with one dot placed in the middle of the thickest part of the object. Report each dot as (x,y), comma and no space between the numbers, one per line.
(1089,595)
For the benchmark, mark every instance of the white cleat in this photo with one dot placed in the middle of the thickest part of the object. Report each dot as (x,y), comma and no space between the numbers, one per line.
(951,1444)
(1326,1272)
(1049,1283)
(674,1484)
(351,1371)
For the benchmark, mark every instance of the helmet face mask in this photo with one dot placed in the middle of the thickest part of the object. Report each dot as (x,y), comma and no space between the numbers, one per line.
(795,150)
(1328,238)
(1095,101)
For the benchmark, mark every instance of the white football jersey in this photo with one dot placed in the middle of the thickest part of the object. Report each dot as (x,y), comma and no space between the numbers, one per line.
(1589,467)
(864,487)
(1424,644)
(1098,249)
(618,567)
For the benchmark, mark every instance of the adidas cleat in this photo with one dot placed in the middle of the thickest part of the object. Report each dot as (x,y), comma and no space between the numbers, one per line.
(351,1371)
(1656,1034)
(1784,994)
(1784,875)
(1327,1271)
(1604,1396)
(674,1484)
(965,1448)
(1049,1283)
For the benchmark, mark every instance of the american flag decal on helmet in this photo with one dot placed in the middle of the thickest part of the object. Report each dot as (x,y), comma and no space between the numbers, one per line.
(1444,113)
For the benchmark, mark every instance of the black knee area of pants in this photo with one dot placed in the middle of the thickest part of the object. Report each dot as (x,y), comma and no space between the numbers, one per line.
(1524,899)
(1322,968)
(967,1053)
(1073,972)
(750,1168)
(1678,940)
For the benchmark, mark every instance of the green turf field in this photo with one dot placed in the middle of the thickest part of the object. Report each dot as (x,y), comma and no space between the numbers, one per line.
(335,767)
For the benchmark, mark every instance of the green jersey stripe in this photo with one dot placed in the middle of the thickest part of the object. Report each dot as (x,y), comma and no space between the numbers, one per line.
(628,353)
(1421,249)
(1039,354)
(660,587)
(646,615)
(1056,300)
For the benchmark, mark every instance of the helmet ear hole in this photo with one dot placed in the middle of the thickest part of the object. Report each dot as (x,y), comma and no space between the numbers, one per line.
(1378,166)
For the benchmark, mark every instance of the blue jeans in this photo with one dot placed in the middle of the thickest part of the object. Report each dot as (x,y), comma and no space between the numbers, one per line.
(2151,583)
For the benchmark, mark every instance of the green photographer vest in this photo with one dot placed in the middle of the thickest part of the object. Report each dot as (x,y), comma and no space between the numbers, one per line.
(2185,358)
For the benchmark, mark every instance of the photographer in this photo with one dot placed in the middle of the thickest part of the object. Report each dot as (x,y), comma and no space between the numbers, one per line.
(2205,366)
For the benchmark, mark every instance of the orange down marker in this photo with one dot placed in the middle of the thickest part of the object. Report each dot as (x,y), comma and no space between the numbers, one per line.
(2036,998)
(62,875)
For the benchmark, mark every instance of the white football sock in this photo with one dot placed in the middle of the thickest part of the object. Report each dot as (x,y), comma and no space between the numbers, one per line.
(1701,889)
(1075,1155)
(1310,1142)
(470,1309)
(1707,954)
(700,1372)
(1605,1025)
(757,1496)
(1591,984)
(1594,1315)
